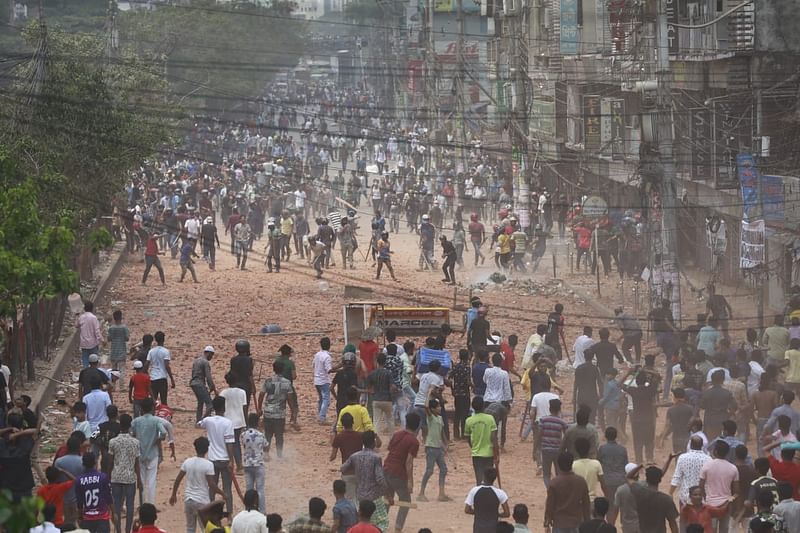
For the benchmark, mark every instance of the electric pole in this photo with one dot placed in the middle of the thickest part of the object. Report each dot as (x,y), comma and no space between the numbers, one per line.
(517,28)
(460,107)
(664,136)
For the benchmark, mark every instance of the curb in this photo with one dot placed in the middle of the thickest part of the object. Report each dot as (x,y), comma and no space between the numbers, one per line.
(44,392)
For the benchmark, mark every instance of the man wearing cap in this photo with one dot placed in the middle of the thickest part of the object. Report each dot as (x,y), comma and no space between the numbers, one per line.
(427,234)
(202,383)
(192,227)
(90,373)
(208,238)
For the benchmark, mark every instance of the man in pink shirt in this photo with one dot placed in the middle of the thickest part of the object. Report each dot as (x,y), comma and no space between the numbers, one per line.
(91,335)
(719,479)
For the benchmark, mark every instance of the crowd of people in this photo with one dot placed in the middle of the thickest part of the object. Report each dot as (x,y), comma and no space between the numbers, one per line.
(729,419)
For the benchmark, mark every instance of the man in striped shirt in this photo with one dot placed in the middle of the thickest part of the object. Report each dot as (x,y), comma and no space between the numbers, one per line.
(552,429)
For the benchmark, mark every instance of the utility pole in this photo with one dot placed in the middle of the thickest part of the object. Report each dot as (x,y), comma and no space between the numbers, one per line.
(460,113)
(664,136)
(517,28)
(430,87)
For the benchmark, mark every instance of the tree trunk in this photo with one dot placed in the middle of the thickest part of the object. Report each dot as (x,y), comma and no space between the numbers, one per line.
(29,351)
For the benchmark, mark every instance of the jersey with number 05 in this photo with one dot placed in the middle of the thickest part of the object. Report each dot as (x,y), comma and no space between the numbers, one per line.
(93,495)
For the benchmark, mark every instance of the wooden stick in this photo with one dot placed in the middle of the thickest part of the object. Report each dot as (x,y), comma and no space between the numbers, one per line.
(407,505)
(298,333)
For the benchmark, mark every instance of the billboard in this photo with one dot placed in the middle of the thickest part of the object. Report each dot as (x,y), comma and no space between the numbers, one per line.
(591,121)
(569,27)
(410,320)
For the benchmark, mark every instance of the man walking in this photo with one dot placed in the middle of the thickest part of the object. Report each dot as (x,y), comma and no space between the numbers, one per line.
(242,234)
(91,337)
(202,383)
(209,240)
(399,466)
(151,259)
(567,503)
(481,429)
(276,393)
(371,481)
(157,366)
(149,430)
(200,484)
(322,365)
(124,450)
(221,438)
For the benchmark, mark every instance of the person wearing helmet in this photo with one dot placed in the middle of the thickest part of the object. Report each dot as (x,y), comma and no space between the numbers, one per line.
(273,249)
(427,236)
(241,370)
(449,255)
(384,255)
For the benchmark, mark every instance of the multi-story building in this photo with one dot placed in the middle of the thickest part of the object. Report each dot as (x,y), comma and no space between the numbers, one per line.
(734,73)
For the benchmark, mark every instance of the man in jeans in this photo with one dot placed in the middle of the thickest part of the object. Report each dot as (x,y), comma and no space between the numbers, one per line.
(551,429)
(199,474)
(151,260)
(322,365)
(124,451)
(91,337)
(276,393)
(202,383)
(221,438)
(148,429)
(399,466)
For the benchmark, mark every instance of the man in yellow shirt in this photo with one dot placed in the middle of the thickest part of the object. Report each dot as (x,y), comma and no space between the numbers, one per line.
(589,469)
(361,420)
(793,360)
(287,228)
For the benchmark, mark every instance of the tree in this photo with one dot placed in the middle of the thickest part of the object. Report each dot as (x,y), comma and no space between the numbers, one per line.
(34,257)
(217,56)
(82,119)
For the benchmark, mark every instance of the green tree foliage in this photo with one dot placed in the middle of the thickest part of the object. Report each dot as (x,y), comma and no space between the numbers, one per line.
(18,516)
(33,254)
(89,120)
(213,54)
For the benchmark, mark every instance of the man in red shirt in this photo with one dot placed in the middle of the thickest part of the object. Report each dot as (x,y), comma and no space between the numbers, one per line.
(151,258)
(366,509)
(53,492)
(584,240)
(147,519)
(368,349)
(509,358)
(138,388)
(785,469)
(347,442)
(234,219)
(399,465)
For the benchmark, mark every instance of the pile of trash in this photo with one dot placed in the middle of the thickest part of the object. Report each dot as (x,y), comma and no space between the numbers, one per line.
(522,286)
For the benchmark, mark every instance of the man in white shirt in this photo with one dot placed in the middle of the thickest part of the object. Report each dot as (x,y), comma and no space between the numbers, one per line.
(688,469)
(97,400)
(192,226)
(250,520)
(200,485)
(581,344)
(236,412)
(498,386)
(221,439)
(49,514)
(322,365)
(157,366)
(756,369)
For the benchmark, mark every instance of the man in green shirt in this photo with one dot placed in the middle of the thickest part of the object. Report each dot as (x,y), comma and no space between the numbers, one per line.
(435,443)
(289,372)
(481,429)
